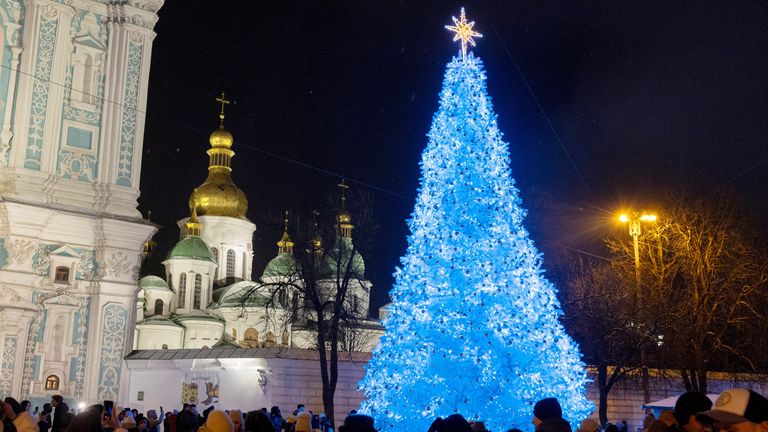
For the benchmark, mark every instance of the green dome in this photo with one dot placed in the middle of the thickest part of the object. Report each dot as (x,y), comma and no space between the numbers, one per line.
(339,255)
(282,265)
(153,283)
(196,315)
(157,320)
(192,247)
(241,294)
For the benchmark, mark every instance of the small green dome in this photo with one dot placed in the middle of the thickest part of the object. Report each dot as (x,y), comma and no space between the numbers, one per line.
(192,247)
(157,320)
(340,255)
(153,283)
(243,293)
(196,315)
(282,265)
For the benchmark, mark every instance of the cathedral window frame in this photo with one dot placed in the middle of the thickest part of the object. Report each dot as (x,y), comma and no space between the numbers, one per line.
(231,264)
(215,251)
(198,293)
(52,382)
(87,62)
(62,274)
(161,304)
(66,144)
(63,257)
(183,291)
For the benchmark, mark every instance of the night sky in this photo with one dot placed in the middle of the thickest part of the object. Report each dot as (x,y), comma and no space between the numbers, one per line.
(605,105)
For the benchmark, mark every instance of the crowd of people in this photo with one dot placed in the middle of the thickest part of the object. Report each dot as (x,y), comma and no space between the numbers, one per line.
(736,410)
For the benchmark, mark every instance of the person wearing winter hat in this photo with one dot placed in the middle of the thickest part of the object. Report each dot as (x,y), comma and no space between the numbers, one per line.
(128,423)
(303,422)
(237,419)
(358,423)
(290,422)
(738,410)
(20,418)
(434,427)
(687,406)
(588,425)
(217,421)
(548,416)
(455,423)
(658,426)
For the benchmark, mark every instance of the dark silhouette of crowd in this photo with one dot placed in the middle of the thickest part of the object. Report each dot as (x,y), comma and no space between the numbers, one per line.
(736,410)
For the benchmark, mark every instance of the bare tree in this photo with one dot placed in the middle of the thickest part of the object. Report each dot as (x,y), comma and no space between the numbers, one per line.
(598,312)
(320,291)
(702,278)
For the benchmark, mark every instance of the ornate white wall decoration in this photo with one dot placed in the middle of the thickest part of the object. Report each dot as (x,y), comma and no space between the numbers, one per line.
(81,339)
(118,264)
(19,251)
(77,166)
(128,125)
(7,365)
(112,344)
(40,86)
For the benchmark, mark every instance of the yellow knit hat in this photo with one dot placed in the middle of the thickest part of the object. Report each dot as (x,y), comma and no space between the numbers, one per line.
(304,422)
(218,421)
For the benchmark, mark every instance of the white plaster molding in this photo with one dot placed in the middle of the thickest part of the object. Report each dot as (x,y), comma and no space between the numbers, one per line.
(10,299)
(19,251)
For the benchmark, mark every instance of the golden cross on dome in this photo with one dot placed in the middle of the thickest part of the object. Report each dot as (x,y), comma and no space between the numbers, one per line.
(223,101)
(343,188)
(464,32)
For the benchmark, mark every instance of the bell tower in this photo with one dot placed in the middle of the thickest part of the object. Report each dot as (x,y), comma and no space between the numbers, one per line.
(73,95)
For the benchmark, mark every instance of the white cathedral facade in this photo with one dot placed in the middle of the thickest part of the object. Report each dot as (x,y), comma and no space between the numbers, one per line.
(74,319)
(73,93)
(208,298)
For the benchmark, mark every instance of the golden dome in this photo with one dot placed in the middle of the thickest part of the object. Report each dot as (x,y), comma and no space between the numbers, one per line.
(218,195)
(221,138)
(345,217)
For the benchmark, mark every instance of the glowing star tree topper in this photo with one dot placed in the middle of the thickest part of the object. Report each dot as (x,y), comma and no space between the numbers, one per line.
(473,326)
(464,32)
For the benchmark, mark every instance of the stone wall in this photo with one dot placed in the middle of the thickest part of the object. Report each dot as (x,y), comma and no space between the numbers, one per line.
(249,379)
(625,401)
(255,378)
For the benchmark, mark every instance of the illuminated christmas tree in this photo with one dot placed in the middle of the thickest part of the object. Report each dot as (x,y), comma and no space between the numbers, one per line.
(473,325)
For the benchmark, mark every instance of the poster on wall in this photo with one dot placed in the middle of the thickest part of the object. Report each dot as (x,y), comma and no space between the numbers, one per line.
(200,388)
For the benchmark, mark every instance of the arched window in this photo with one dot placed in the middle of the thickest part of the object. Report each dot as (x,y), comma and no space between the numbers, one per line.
(234,334)
(245,265)
(88,90)
(230,264)
(183,290)
(52,382)
(158,307)
(62,274)
(251,334)
(216,260)
(198,290)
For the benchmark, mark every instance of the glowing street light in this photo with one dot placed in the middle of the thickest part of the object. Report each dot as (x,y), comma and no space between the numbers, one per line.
(635,221)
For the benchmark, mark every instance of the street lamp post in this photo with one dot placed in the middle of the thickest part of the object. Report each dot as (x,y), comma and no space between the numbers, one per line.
(635,221)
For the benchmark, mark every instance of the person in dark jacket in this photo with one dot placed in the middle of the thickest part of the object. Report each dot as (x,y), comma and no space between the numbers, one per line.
(548,416)
(186,421)
(61,415)
(44,418)
(277,418)
(89,420)
(687,406)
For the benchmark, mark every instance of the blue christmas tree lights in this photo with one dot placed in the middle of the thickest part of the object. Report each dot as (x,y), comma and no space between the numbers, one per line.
(473,325)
